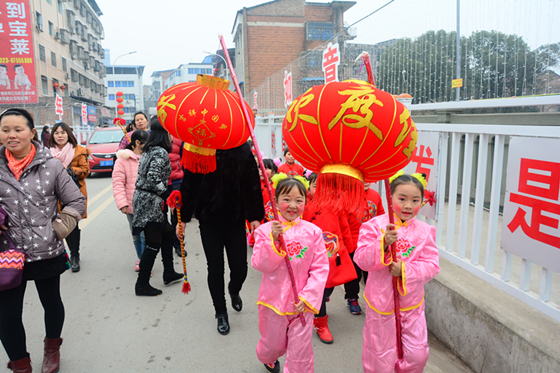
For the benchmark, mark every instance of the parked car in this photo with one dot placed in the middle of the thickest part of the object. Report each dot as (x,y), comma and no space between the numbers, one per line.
(103,145)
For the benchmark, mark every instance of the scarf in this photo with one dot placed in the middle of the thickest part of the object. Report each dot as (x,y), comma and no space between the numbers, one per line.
(65,154)
(17,166)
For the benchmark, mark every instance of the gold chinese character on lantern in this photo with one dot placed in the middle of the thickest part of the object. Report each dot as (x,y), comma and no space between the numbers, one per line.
(165,101)
(360,102)
(294,108)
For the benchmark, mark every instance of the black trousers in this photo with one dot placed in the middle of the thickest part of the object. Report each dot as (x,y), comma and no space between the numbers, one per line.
(216,236)
(12,332)
(73,242)
(326,294)
(352,288)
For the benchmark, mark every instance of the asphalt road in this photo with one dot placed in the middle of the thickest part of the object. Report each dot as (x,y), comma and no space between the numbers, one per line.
(109,329)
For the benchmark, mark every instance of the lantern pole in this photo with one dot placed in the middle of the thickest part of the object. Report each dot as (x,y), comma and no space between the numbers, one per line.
(367,63)
(261,165)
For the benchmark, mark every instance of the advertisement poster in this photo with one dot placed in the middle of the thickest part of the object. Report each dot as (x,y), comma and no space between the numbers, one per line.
(531,217)
(17,59)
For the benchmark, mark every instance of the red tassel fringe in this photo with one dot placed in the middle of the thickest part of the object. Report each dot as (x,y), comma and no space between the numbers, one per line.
(186,287)
(338,193)
(199,164)
(175,199)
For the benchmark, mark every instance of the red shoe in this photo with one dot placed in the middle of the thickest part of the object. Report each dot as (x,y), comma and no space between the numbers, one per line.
(20,366)
(51,359)
(322,328)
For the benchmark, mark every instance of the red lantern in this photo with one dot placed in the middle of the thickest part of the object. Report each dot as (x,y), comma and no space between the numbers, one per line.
(119,93)
(62,88)
(119,99)
(120,112)
(56,85)
(120,106)
(206,116)
(348,133)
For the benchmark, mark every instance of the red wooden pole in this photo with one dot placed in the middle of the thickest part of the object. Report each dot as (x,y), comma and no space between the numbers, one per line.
(263,170)
(369,70)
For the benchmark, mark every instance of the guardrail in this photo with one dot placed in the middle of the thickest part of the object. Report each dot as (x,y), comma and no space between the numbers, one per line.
(469,231)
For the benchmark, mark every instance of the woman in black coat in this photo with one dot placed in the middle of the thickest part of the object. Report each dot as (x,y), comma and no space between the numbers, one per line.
(221,201)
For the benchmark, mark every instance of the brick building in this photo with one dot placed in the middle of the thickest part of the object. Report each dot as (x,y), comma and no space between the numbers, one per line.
(269,36)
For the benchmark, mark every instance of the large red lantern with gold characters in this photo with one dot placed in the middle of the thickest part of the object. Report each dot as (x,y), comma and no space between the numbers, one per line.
(206,116)
(348,133)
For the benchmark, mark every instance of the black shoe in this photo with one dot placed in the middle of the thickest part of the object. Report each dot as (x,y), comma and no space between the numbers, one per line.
(146,290)
(236,302)
(75,263)
(275,368)
(171,277)
(223,323)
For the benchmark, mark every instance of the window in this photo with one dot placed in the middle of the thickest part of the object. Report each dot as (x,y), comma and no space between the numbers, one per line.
(118,83)
(60,6)
(319,30)
(51,29)
(53,59)
(110,83)
(130,83)
(39,21)
(42,53)
(178,73)
(49,1)
(64,66)
(44,85)
(131,96)
(111,97)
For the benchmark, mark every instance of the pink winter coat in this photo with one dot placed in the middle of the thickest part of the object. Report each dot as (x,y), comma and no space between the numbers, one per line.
(125,172)
(417,250)
(308,257)
(175,159)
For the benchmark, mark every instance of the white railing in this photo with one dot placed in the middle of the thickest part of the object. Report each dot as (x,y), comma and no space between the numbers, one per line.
(82,133)
(468,234)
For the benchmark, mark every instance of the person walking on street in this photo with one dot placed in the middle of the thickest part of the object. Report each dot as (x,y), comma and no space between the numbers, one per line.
(221,202)
(149,214)
(65,148)
(31,184)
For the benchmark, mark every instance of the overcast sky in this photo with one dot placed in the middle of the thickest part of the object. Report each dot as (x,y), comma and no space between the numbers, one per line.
(167,33)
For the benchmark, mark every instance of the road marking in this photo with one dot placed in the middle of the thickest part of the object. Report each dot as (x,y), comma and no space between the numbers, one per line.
(99,195)
(84,223)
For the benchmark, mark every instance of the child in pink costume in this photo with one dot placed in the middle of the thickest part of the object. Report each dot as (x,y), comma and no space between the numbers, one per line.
(281,329)
(417,263)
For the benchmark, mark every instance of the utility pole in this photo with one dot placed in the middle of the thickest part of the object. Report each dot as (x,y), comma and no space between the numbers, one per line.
(458,96)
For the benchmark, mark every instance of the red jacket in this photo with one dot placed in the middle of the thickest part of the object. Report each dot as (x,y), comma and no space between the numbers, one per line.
(175,159)
(268,214)
(336,233)
(291,169)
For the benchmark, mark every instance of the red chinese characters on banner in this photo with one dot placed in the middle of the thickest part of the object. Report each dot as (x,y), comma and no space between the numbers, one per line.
(255,107)
(420,159)
(539,179)
(331,60)
(84,115)
(287,88)
(59,108)
(273,142)
(17,61)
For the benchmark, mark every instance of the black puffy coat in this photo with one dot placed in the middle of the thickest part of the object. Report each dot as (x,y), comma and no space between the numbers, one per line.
(232,193)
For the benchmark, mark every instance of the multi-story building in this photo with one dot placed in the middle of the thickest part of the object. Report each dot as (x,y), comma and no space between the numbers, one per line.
(128,80)
(66,57)
(269,36)
(187,72)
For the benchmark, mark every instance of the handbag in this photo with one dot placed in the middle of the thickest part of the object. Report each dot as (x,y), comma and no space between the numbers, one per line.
(73,176)
(11,260)
(11,268)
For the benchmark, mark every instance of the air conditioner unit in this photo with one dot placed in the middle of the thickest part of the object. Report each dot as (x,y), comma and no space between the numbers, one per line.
(72,93)
(39,27)
(80,92)
(67,76)
(57,36)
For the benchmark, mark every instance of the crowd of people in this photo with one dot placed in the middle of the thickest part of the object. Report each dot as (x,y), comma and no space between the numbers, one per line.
(43,193)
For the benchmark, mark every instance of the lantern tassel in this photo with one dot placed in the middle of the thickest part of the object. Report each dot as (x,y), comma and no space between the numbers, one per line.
(263,170)
(197,163)
(337,192)
(175,200)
